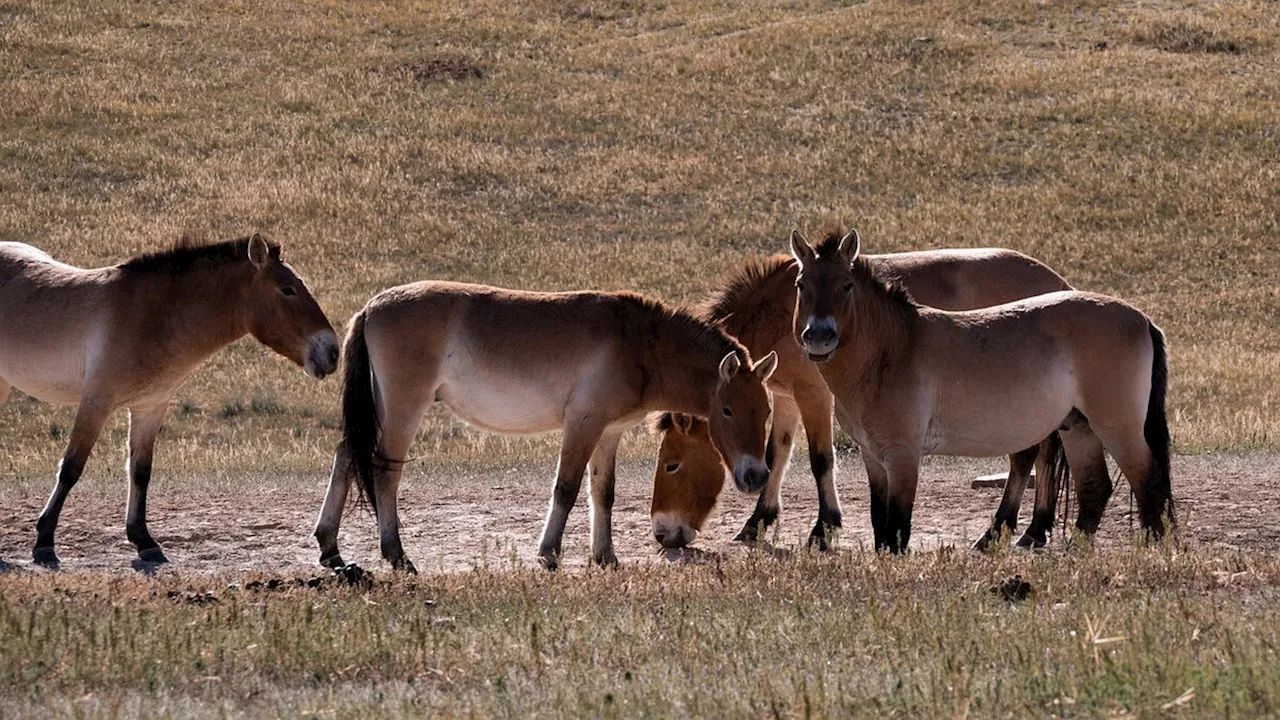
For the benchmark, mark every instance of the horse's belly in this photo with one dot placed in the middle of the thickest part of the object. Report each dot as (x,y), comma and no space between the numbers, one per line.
(56,377)
(508,408)
(989,428)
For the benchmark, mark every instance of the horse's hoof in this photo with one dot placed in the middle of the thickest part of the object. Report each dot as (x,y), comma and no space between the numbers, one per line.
(333,562)
(1027,542)
(405,566)
(606,559)
(46,557)
(549,561)
(153,555)
(819,542)
(748,537)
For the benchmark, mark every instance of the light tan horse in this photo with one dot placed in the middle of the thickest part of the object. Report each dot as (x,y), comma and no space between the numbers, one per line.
(127,336)
(592,364)
(911,381)
(755,304)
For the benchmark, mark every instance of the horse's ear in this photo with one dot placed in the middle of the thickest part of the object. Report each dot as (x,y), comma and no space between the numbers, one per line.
(850,246)
(800,248)
(729,366)
(682,423)
(765,366)
(259,253)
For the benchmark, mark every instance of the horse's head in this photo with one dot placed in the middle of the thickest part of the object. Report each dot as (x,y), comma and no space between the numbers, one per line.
(737,421)
(824,297)
(686,481)
(284,316)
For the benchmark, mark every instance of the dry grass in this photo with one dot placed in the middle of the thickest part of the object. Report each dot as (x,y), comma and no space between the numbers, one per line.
(1118,633)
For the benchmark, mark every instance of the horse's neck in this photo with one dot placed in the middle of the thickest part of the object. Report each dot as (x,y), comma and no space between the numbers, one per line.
(683,371)
(200,313)
(880,339)
(767,321)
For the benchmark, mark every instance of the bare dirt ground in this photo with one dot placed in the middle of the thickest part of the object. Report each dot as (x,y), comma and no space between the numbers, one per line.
(456,518)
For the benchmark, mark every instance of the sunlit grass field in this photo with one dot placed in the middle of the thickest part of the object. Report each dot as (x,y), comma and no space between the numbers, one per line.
(650,146)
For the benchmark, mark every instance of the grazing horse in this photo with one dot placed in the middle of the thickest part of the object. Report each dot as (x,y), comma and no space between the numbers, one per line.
(755,304)
(127,336)
(592,364)
(911,381)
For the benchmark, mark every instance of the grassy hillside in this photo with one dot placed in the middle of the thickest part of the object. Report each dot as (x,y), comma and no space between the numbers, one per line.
(647,146)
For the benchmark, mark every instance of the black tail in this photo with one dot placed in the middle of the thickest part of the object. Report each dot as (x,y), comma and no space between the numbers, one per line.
(1156,428)
(359,413)
(1056,474)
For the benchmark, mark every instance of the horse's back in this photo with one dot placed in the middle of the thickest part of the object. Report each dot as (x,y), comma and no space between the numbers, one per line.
(506,360)
(964,279)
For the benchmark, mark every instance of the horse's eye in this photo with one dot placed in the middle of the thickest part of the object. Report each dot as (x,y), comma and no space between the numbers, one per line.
(288,291)
(800,286)
(726,411)
(848,288)
(672,467)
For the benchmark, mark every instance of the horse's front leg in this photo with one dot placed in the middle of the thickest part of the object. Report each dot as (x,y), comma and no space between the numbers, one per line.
(335,500)
(816,409)
(786,419)
(576,448)
(878,486)
(904,473)
(601,471)
(90,418)
(144,425)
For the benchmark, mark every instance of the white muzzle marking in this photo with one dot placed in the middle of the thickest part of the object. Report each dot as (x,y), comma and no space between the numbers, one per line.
(322,355)
(671,532)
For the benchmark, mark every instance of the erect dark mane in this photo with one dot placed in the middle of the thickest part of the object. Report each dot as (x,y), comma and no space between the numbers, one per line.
(740,287)
(187,255)
(873,269)
(697,329)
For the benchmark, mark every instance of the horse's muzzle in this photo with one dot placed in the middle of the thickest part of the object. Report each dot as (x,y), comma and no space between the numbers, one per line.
(820,338)
(750,475)
(671,533)
(322,355)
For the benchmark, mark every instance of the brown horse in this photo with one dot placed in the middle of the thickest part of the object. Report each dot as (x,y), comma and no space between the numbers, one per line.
(755,304)
(911,381)
(592,364)
(129,335)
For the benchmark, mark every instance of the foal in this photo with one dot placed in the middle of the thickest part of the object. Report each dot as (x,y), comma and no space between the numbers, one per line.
(911,381)
(755,305)
(129,335)
(592,364)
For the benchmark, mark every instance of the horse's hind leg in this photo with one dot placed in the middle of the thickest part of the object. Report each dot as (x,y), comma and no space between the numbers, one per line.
(144,425)
(1050,469)
(602,473)
(786,418)
(393,452)
(1089,475)
(90,418)
(1136,462)
(335,500)
(1006,518)
(576,448)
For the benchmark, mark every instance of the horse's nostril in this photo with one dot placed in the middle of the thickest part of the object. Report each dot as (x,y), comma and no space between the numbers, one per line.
(333,356)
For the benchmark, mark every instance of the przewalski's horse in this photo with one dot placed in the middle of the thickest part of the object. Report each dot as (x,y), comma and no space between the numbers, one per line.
(592,364)
(128,336)
(911,381)
(756,304)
